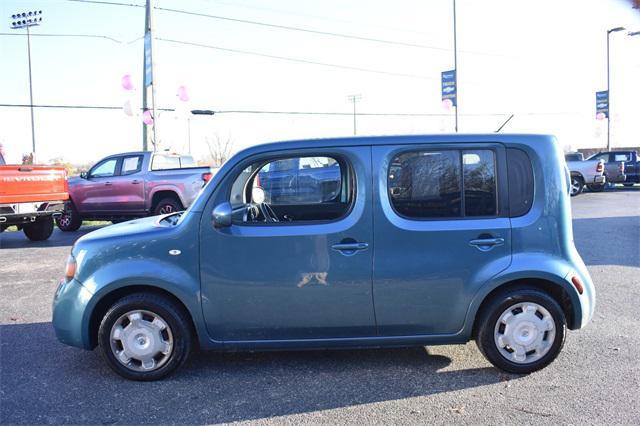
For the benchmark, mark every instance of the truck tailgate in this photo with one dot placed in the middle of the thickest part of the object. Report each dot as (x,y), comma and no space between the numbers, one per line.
(23,184)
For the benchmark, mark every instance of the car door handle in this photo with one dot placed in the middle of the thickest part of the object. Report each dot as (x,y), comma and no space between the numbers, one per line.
(135,182)
(107,184)
(485,244)
(350,246)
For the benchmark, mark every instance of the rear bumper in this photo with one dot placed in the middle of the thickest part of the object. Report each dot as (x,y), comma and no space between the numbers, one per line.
(21,213)
(618,179)
(599,179)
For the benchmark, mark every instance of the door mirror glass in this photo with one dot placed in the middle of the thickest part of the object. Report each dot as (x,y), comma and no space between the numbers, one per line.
(257,195)
(83,175)
(221,215)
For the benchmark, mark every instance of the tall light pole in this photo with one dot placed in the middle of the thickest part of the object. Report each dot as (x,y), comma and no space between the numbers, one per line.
(354,99)
(26,20)
(455,61)
(612,30)
(149,77)
(197,112)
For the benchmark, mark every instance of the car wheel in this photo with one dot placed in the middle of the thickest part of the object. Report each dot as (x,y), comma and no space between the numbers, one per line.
(69,220)
(145,337)
(166,206)
(596,187)
(39,230)
(577,184)
(521,330)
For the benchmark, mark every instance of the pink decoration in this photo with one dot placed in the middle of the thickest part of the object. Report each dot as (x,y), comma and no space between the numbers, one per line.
(127,108)
(447,104)
(147,118)
(600,116)
(127,84)
(182,94)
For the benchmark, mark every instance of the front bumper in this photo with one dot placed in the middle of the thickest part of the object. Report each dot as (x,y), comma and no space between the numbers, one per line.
(69,310)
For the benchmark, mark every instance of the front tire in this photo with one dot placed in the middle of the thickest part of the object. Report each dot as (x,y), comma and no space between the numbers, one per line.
(577,185)
(145,337)
(521,330)
(39,230)
(69,220)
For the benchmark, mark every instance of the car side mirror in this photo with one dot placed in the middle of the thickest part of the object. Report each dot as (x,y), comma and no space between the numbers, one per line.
(84,175)
(222,215)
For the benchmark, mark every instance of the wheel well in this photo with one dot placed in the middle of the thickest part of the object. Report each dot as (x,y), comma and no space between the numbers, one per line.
(164,194)
(559,294)
(110,298)
(577,174)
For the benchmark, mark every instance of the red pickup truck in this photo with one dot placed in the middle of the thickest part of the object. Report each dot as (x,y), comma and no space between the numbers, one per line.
(30,196)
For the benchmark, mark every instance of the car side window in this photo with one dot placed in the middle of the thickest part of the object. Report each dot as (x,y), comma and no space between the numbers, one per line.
(602,157)
(621,157)
(443,184)
(105,169)
(131,165)
(295,189)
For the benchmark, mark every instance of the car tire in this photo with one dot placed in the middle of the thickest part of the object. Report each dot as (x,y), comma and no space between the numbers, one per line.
(167,205)
(577,185)
(528,319)
(628,185)
(69,220)
(39,230)
(596,187)
(123,334)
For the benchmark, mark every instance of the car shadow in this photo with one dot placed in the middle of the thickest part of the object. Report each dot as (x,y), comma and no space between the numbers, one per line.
(44,381)
(608,240)
(17,239)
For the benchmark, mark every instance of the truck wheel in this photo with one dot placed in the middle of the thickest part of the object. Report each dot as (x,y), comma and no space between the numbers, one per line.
(70,219)
(145,336)
(521,330)
(577,184)
(167,205)
(39,230)
(596,187)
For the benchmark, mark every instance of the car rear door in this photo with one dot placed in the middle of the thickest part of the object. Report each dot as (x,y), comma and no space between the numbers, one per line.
(441,230)
(128,187)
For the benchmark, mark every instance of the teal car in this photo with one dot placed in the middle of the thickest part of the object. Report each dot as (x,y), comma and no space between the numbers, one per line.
(415,240)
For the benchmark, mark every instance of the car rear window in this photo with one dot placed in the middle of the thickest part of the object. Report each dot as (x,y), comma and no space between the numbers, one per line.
(443,184)
(520,180)
(164,162)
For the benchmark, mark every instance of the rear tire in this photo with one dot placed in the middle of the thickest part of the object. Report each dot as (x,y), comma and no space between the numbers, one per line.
(577,185)
(150,347)
(69,220)
(521,330)
(167,205)
(39,230)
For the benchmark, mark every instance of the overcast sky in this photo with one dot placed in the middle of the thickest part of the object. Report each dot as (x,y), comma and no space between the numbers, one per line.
(542,61)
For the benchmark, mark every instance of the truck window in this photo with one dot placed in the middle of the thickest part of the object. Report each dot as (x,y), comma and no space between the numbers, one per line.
(621,157)
(520,180)
(105,169)
(164,162)
(131,165)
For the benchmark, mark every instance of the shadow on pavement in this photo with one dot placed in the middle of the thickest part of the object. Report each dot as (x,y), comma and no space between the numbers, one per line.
(52,383)
(608,240)
(17,239)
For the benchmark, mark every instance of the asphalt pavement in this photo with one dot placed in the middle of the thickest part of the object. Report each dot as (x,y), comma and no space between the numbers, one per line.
(595,380)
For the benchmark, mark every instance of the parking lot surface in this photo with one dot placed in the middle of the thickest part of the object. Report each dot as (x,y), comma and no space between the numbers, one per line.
(595,380)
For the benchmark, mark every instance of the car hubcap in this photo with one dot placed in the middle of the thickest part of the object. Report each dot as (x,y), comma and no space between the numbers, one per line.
(575,186)
(141,340)
(524,332)
(65,219)
(166,209)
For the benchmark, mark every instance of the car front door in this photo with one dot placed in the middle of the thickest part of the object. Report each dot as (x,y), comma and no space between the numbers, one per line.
(94,194)
(127,188)
(440,232)
(307,276)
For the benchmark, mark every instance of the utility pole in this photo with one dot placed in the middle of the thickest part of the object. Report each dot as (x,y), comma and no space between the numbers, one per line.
(26,20)
(149,78)
(612,30)
(354,99)
(455,62)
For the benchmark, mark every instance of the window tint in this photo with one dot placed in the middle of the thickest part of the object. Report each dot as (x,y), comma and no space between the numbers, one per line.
(294,189)
(479,170)
(574,157)
(105,169)
(131,165)
(426,184)
(163,162)
(520,180)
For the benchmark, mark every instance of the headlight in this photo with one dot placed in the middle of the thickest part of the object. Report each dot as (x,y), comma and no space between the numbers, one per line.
(70,268)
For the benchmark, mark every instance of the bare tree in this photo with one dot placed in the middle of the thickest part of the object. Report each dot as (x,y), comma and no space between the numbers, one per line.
(220,149)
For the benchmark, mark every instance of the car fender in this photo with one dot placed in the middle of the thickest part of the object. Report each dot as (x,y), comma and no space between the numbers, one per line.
(176,189)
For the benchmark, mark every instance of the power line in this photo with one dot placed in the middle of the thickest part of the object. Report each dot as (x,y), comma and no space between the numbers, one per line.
(76,35)
(110,3)
(303,61)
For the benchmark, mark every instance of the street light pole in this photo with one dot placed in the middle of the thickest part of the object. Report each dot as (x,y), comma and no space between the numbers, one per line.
(354,99)
(612,30)
(26,20)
